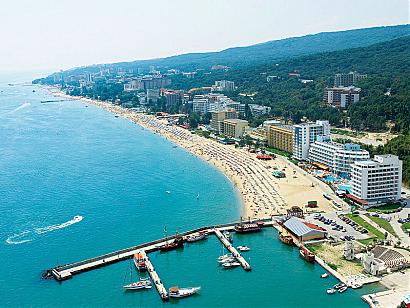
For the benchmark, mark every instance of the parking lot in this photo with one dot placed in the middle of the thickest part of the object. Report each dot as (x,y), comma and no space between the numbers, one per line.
(336,221)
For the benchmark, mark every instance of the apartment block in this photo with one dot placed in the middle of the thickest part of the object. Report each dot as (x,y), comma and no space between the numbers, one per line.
(280,137)
(341,97)
(305,134)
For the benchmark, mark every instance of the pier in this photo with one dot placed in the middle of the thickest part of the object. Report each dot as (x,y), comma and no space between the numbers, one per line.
(246,266)
(55,101)
(162,291)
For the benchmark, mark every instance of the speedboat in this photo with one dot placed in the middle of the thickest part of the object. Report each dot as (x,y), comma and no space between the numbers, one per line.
(342,289)
(142,284)
(356,286)
(325,275)
(179,293)
(339,285)
(331,291)
(230,264)
(243,248)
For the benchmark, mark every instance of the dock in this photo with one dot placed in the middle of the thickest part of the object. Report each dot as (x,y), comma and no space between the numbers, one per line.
(246,266)
(162,291)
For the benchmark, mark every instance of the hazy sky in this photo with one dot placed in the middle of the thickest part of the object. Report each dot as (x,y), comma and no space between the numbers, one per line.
(59,34)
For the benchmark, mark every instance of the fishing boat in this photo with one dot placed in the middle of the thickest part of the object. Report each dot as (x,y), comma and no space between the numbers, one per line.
(342,289)
(325,275)
(248,227)
(230,264)
(139,262)
(287,239)
(196,237)
(306,254)
(243,248)
(228,236)
(331,291)
(169,245)
(176,292)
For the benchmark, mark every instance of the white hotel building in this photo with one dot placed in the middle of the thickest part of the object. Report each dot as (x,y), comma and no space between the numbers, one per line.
(339,157)
(306,134)
(377,181)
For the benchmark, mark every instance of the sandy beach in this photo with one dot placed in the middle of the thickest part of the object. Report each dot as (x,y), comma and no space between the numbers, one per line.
(263,195)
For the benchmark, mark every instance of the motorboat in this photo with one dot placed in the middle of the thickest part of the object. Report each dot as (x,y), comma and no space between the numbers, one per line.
(228,236)
(243,248)
(331,291)
(342,289)
(139,262)
(325,275)
(230,264)
(195,237)
(228,259)
(356,286)
(224,257)
(339,285)
(176,292)
(142,284)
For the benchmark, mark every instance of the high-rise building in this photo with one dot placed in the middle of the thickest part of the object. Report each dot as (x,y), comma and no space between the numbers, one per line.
(377,181)
(234,127)
(338,157)
(280,137)
(224,86)
(305,134)
(219,116)
(341,97)
(152,95)
(347,80)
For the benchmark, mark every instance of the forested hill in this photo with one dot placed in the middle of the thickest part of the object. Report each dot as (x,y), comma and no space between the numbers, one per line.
(276,50)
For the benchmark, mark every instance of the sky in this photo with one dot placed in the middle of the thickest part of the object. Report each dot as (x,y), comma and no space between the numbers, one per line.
(60,34)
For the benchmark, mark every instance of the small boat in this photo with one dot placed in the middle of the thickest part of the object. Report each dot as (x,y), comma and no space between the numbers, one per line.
(230,264)
(224,257)
(228,236)
(356,286)
(176,292)
(325,275)
(287,239)
(306,254)
(228,259)
(139,262)
(142,284)
(339,285)
(342,289)
(116,116)
(243,248)
(195,237)
(167,191)
(331,291)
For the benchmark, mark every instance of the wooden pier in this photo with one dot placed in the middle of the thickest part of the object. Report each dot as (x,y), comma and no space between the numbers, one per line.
(162,291)
(246,266)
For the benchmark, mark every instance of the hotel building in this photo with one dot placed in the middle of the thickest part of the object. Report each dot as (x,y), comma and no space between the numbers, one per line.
(234,127)
(338,157)
(305,134)
(218,118)
(280,137)
(341,97)
(377,181)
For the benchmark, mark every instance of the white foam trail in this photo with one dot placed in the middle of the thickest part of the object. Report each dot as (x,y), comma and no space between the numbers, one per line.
(20,107)
(11,240)
(75,220)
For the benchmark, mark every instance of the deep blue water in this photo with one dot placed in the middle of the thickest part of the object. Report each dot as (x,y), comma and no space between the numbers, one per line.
(61,160)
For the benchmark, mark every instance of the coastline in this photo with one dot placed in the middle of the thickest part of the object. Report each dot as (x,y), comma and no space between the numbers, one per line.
(261,194)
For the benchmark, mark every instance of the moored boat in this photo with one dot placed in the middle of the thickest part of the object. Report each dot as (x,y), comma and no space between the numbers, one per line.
(331,291)
(139,262)
(306,254)
(230,264)
(248,227)
(339,285)
(228,236)
(243,248)
(325,275)
(177,242)
(356,286)
(195,237)
(227,259)
(142,284)
(287,239)
(342,289)
(176,292)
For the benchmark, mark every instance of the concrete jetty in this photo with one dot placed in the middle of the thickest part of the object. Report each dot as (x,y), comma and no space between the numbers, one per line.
(246,266)
(162,291)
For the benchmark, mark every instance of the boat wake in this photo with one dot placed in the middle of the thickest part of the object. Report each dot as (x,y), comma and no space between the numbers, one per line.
(20,107)
(29,235)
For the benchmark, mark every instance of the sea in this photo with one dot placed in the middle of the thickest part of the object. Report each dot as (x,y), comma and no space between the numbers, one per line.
(77,182)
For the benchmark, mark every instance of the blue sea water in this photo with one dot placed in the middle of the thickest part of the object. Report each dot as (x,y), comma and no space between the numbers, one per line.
(61,160)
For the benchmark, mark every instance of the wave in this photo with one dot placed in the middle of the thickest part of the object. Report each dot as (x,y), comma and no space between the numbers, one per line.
(29,235)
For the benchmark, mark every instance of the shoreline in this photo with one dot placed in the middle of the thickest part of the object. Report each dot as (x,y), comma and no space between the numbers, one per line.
(260,193)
